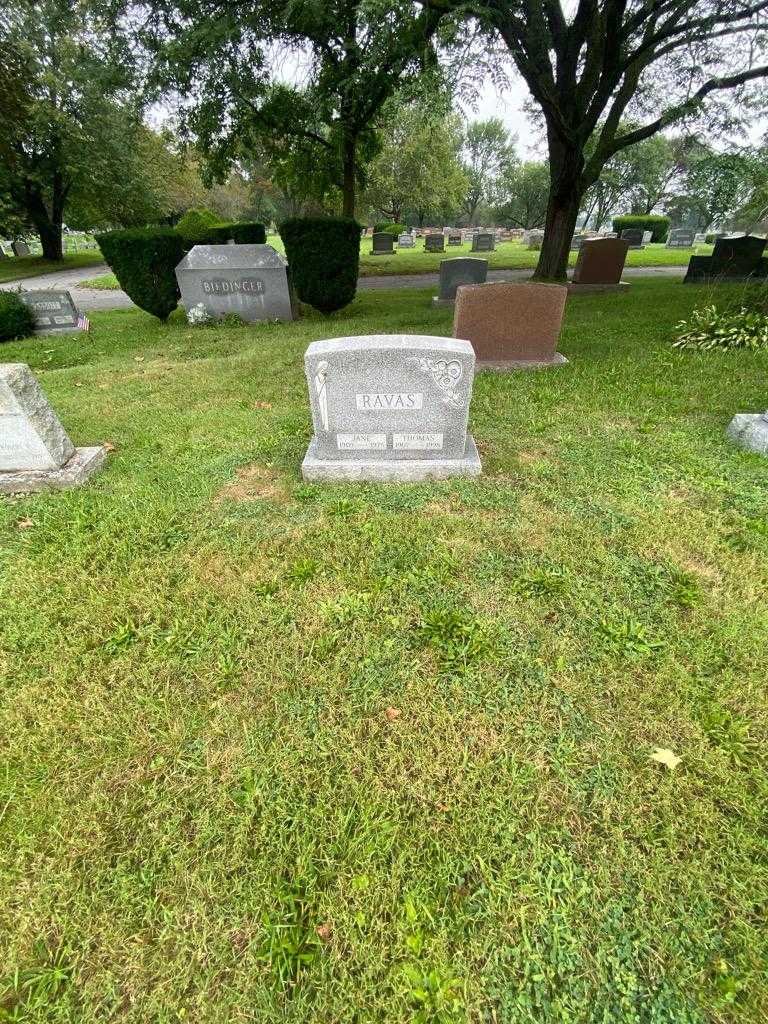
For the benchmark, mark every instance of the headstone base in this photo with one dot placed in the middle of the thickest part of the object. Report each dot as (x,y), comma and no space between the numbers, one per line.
(437,302)
(574,286)
(505,365)
(43,331)
(73,473)
(750,431)
(405,471)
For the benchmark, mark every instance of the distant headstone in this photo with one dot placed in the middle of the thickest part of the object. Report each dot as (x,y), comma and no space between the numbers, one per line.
(405,241)
(733,259)
(390,407)
(577,241)
(53,310)
(434,243)
(20,248)
(250,280)
(511,326)
(458,271)
(700,238)
(750,430)
(647,236)
(535,240)
(383,244)
(35,452)
(680,238)
(634,236)
(483,241)
(600,265)
(454,239)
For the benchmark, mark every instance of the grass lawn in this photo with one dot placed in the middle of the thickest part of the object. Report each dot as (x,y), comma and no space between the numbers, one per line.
(279,752)
(33,266)
(507,256)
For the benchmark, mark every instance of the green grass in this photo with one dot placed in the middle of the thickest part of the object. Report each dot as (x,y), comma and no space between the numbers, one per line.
(507,256)
(33,266)
(198,651)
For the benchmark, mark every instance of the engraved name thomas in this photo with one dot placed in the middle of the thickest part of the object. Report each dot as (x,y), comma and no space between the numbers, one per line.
(401,400)
(232,286)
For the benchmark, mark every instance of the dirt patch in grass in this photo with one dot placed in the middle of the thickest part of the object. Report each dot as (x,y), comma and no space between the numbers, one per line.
(253,483)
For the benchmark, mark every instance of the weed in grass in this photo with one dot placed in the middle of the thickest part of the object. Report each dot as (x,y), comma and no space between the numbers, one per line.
(730,733)
(541,583)
(457,639)
(31,995)
(291,943)
(303,570)
(627,637)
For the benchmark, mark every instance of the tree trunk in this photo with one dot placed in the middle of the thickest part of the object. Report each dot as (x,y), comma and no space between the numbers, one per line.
(566,191)
(47,222)
(349,186)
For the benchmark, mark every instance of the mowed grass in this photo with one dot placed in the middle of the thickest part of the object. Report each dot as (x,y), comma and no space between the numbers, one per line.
(506,256)
(17,267)
(286,752)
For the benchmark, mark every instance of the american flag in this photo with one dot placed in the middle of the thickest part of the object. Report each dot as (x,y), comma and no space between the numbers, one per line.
(83,322)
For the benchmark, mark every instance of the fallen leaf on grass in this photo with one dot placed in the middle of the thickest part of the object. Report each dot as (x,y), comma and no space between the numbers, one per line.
(108,446)
(138,359)
(262,405)
(666,757)
(24,524)
(392,714)
(324,932)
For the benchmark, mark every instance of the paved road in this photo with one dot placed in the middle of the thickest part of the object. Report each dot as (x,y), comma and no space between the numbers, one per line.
(89,299)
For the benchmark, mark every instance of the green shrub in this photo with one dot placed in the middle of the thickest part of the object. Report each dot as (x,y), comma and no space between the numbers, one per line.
(323,256)
(248,232)
(144,261)
(16,318)
(194,225)
(242,232)
(645,222)
(712,328)
(390,227)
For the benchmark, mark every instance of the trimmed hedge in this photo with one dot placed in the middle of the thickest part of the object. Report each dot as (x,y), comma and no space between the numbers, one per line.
(390,227)
(16,318)
(195,225)
(323,256)
(144,261)
(644,222)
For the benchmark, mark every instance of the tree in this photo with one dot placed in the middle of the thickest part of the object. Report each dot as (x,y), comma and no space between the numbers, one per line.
(358,55)
(418,166)
(716,185)
(523,189)
(487,149)
(79,120)
(652,59)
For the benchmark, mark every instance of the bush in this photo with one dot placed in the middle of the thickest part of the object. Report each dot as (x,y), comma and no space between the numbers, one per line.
(194,225)
(712,328)
(390,227)
(645,222)
(144,261)
(248,233)
(243,232)
(323,257)
(16,318)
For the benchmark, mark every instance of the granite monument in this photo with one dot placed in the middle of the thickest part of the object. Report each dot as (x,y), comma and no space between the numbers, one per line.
(250,280)
(53,310)
(458,271)
(599,265)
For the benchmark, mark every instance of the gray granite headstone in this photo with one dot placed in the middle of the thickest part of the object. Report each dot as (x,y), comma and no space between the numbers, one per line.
(20,249)
(454,239)
(390,407)
(577,241)
(250,280)
(483,241)
(680,238)
(458,271)
(535,239)
(53,310)
(434,243)
(383,244)
(405,241)
(35,452)
(634,236)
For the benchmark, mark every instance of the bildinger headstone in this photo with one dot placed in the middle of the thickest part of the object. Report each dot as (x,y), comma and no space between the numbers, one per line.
(434,243)
(483,241)
(600,265)
(733,259)
(390,407)
(455,272)
(681,238)
(249,280)
(35,452)
(53,310)
(20,249)
(405,241)
(383,244)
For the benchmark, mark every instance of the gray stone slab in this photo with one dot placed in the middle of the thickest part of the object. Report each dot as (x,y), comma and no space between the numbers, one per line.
(53,310)
(434,243)
(405,241)
(483,241)
(387,399)
(318,469)
(20,249)
(250,280)
(458,271)
(76,471)
(383,244)
(31,435)
(750,430)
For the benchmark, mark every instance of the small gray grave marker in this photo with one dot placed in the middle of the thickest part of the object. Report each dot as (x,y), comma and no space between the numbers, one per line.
(383,244)
(20,248)
(53,310)
(434,243)
(458,271)
(483,241)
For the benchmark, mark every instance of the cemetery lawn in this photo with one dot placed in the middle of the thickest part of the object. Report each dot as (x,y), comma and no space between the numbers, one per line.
(16,268)
(281,752)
